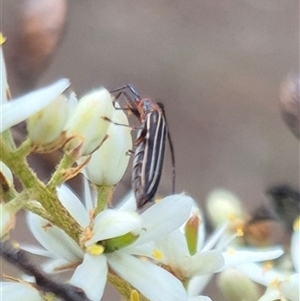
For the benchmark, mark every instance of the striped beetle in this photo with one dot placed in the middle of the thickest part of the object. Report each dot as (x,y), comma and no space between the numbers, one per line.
(150,144)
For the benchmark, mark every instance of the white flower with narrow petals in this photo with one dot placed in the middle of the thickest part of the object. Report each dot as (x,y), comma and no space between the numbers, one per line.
(152,224)
(278,282)
(172,252)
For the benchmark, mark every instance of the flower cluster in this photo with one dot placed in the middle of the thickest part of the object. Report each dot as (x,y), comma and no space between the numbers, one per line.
(280,277)
(159,254)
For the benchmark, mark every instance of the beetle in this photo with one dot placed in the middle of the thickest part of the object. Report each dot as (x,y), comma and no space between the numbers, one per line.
(150,144)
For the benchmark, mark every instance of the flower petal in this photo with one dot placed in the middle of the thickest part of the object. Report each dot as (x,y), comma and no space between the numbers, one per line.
(199,298)
(215,237)
(290,287)
(112,223)
(54,266)
(54,239)
(19,109)
(197,284)
(11,291)
(91,276)
(206,262)
(37,250)
(287,284)
(71,202)
(128,202)
(258,274)
(295,248)
(173,248)
(271,294)
(88,195)
(164,217)
(3,76)
(236,257)
(155,283)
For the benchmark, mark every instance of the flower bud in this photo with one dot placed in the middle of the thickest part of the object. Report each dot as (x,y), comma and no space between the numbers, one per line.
(108,164)
(191,233)
(87,126)
(47,125)
(235,286)
(222,206)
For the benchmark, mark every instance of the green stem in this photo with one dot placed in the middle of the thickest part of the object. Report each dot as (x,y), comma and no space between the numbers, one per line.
(58,176)
(8,139)
(24,149)
(18,202)
(37,209)
(104,197)
(47,197)
(18,165)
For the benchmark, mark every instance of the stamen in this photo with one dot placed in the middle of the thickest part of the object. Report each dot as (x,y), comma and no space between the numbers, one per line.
(267,266)
(296,225)
(158,255)
(2,39)
(134,296)
(276,283)
(231,251)
(95,249)
(231,217)
(239,232)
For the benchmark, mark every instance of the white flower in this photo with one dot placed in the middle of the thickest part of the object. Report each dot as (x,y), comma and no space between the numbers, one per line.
(196,270)
(108,164)
(171,251)
(143,275)
(278,281)
(282,282)
(19,109)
